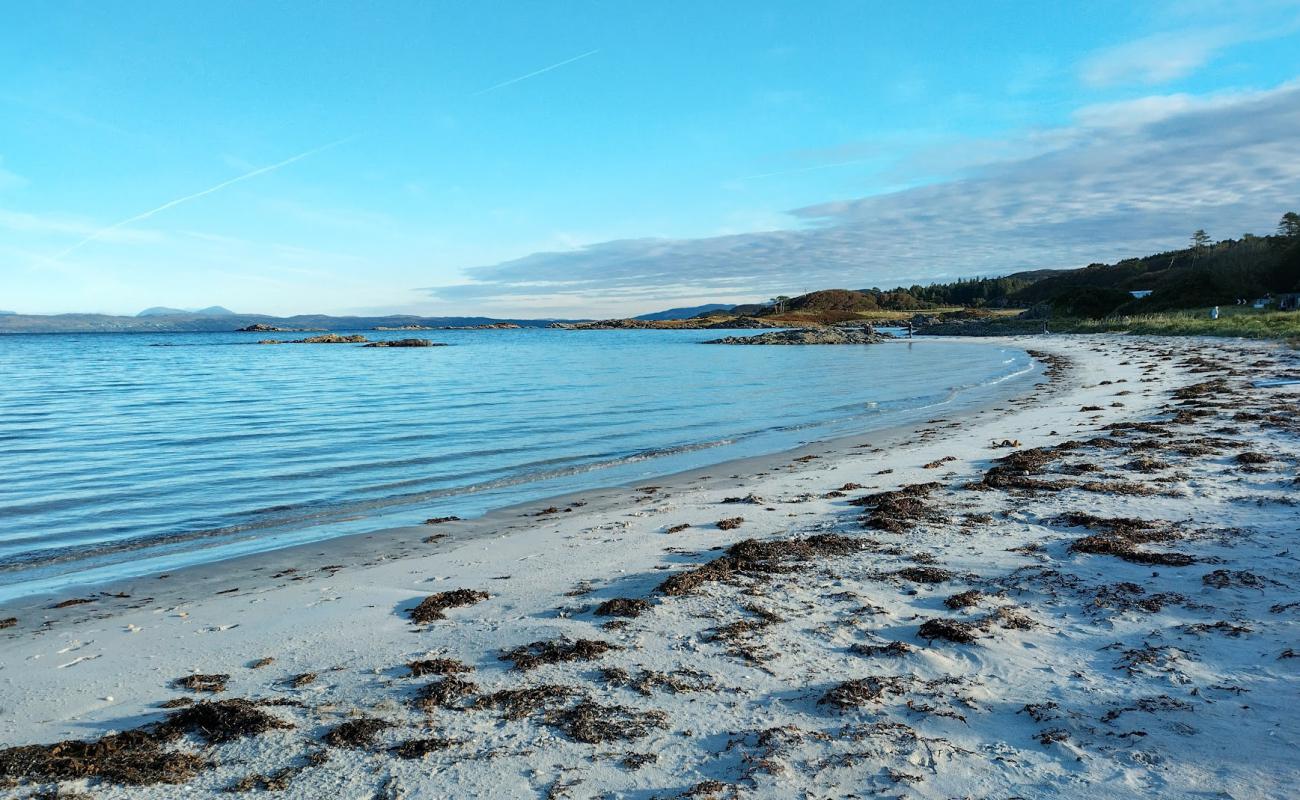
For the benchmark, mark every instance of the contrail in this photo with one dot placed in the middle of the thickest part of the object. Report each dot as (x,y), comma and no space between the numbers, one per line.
(504,84)
(172,203)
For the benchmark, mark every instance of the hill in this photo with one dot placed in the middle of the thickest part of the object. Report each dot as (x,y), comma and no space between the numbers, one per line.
(164,311)
(687,313)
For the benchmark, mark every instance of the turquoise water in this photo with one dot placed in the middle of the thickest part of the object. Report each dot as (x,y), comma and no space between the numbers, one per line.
(125,454)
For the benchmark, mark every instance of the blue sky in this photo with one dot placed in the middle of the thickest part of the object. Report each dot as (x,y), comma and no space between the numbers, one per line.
(687,152)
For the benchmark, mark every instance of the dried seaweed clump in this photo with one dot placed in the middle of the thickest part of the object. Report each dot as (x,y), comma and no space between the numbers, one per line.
(1119,537)
(520,703)
(860,691)
(137,757)
(202,683)
(751,557)
(900,510)
(1196,390)
(419,748)
(1014,471)
(446,693)
(432,607)
(436,666)
(964,599)
(893,649)
(730,523)
(355,733)
(219,721)
(132,757)
(1120,548)
(535,654)
(924,574)
(622,607)
(1250,457)
(592,723)
(951,630)
(679,681)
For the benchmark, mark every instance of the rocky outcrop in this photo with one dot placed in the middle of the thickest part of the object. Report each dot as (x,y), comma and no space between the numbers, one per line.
(738,323)
(407,343)
(261,327)
(327,338)
(701,323)
(801,336)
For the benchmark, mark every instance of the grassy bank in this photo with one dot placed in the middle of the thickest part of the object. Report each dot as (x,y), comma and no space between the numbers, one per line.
(1247,323)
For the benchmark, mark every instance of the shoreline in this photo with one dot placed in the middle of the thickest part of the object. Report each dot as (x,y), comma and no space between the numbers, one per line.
(400,541)
(1093,669)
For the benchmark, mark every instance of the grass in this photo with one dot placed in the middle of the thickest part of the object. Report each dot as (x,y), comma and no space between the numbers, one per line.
(1240,322)
(1233,321)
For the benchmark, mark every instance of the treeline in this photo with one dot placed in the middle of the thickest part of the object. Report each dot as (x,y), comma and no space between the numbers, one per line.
(1206,273)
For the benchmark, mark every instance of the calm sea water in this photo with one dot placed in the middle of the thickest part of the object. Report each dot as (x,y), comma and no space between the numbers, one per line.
(125,454)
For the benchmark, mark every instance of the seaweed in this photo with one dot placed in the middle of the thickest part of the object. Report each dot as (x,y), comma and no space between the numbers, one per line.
(436,666)
(356,733)
(132,757)
(751,557)
(535,654)
(520,703)
(622,607)
(419,748)
(592,723)
(924,574)
(965,599)
(860,691)
(952,630)
(432,607)
(202,683)
(446,693)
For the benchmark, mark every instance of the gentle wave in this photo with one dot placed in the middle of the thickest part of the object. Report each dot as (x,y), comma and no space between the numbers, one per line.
(120,453)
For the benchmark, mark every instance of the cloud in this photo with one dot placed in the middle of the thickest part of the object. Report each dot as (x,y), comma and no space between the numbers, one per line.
(1091,192)
(1159,58)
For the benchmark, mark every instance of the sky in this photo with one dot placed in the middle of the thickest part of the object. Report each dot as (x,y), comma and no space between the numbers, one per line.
(609,158)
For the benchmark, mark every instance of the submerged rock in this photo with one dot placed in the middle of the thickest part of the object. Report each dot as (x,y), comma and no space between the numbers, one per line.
(808,336)
(407,343)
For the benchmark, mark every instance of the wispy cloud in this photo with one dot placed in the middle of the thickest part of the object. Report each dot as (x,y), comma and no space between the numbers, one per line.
(97,234)
(535,73)
(1229,164)
(1159,58)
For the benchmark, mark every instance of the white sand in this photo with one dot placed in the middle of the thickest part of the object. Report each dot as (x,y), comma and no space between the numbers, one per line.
(1189,695)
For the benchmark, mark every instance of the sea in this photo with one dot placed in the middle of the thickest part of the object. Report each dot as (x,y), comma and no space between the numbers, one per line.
(136,453)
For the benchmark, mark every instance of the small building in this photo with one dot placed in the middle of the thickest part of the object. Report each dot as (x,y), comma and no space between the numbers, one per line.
(1141,293)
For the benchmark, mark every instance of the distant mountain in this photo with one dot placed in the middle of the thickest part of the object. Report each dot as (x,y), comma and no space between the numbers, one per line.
(164,311)
(686,313)
(8,313)
(207,321)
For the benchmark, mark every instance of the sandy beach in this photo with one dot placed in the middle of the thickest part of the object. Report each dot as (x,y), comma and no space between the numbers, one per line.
(1092,590)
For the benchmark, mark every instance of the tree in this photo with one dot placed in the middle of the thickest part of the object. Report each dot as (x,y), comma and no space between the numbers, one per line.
(1200,239)
(779,302)
(1289,225)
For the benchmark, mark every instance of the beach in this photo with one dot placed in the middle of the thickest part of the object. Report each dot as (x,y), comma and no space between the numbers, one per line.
(1091,590)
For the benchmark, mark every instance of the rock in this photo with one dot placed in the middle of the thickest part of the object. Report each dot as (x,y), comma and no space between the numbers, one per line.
(801,336)
(407,343)
(260,327)
(332,338)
